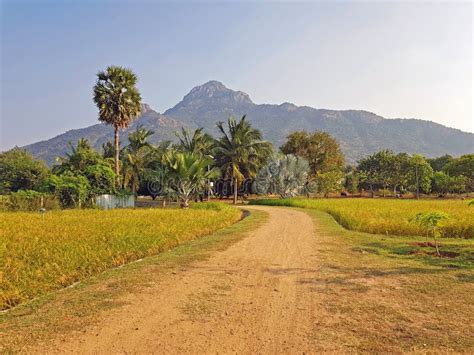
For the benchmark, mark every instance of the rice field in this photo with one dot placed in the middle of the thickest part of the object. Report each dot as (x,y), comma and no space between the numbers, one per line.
(40,254)
(389,216)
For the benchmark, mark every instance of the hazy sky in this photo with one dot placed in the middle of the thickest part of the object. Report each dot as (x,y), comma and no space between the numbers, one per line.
(395,59)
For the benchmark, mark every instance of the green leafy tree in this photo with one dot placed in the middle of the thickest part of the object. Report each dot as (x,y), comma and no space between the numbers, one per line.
(462,166)
(81,156)
(320,149)
(330,181)
(108,150)
(71,190)
(439,163)
(83,160)
(20,171)
(188,174)
(369,172)
(101,178)
(240,151)
(118,100)
(430,221)
(352,180)
(419,174)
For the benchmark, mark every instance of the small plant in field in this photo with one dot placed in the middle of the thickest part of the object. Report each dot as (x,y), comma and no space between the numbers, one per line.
(430,221)
(471,203)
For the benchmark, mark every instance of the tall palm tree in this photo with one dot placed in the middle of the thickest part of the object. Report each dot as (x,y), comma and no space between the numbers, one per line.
(197,142)
(241,151)
(118,101)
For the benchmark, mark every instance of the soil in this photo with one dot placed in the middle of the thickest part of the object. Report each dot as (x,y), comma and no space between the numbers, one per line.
(246,299)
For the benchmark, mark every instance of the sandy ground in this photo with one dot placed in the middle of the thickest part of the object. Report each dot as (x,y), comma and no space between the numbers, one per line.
(246,299)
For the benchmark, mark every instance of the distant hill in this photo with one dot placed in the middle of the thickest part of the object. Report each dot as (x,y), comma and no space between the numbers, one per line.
(98,134)
(359,132)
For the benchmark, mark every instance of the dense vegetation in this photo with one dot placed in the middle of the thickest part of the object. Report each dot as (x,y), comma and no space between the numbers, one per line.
(39,254)
(394,217)
(239,157)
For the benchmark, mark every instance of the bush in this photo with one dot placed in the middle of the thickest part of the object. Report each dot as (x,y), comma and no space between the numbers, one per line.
(20,171)
(29,200)
(71,190)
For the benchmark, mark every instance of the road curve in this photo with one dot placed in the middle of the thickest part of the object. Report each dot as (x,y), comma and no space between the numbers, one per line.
(250,298)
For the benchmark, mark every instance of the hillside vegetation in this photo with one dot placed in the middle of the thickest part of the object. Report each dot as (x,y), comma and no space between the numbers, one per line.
(358,132)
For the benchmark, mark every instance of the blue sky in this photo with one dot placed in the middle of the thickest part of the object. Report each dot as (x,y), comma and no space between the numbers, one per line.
(395,59)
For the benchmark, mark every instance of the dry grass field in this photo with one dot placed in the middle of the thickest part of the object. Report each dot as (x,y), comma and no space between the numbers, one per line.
(40,254)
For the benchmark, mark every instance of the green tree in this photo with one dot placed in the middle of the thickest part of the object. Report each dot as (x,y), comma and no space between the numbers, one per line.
(320,149)
(351,181)
(188,174)
(20,171)
(136,157)
(240,151)
(108,150)
(71,190)
(118,100)
(369,172)
(330,181)
(439,163)
(443,183)
(419,174)
(430,221)
(462,166)
(197,142)
(81,156)
(83,160)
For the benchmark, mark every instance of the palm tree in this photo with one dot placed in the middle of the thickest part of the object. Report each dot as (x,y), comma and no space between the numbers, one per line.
(188,174)
(139,138)
(136,156)
(118,101)
(198,142)
(240,152)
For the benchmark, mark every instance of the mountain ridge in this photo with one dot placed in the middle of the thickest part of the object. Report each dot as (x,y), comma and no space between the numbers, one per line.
(359,132)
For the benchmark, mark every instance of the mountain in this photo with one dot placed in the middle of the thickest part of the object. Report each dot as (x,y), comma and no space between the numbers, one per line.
(359,132)
(98,134)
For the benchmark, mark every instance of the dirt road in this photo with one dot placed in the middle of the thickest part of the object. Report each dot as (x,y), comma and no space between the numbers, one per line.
(246,299)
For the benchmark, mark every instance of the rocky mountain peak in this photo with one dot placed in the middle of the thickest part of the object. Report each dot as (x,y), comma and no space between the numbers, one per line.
(146,108)
(215,90)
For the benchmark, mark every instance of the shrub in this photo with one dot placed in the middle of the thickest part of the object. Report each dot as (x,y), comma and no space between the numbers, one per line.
(29,200)
(71,190)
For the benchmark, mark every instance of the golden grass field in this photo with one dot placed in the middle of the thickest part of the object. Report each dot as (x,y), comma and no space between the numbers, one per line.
(389,216)
(38,255)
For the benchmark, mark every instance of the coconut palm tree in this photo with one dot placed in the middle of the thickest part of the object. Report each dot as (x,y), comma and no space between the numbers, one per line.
(136,157)
(240,152)
(118,101)
(197,142)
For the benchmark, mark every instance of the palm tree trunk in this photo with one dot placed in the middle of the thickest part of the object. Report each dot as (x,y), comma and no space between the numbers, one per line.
(117,154)
(133,185)
(235,190)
